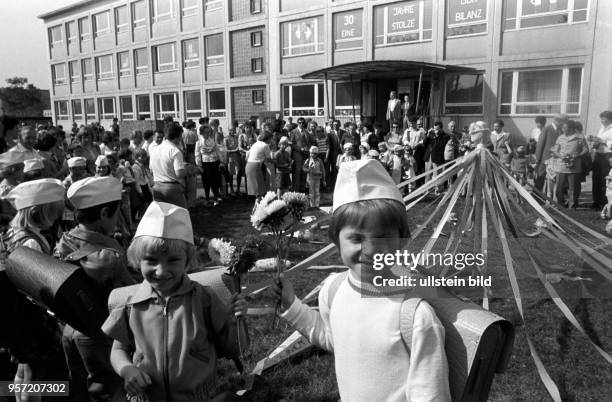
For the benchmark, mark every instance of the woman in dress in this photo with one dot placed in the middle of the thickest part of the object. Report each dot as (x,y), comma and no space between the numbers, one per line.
(207,159)
(246,139)
(233,159)
(258,155)
(568,152)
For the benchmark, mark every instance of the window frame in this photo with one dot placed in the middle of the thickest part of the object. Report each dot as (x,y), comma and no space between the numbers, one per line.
(59,81)
(71,37)
(193,62)
(212,5)
(212,60)
(74,79)
(450,26)
(173,66)
(140,113)
(126,115)
(104,115)
(346,110)
(57,42)
(190,10)
(125,27)
(192,113)
(160,114)
(89,102)
(319,47)
(466,104)
(254,62)
(352,39)
(421,30)
(216,112)
(142,22)
(107,30)
(563,102)
(255,6)
(317,110)
(106,75)
(124,72)
(570,10)
(257,96)
(59,116)
(165,16)
(75,115)
(141,70)
(84,22)
(257,38)
(90,76)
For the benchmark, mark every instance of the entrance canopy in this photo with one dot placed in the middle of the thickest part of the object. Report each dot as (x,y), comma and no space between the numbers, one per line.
(381,69)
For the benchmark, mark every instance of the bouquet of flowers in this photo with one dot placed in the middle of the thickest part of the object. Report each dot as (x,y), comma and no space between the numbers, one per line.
(280,216)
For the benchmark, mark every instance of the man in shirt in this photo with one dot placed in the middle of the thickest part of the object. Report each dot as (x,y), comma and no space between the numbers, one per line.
(351,137)
(299,147)
(434,149)
(27,140)
(334,150)
(602,143)
(168,169)
(548,138)
(500,138)
(394,109)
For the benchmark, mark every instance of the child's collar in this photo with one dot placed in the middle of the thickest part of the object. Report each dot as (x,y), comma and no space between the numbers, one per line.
(146,292)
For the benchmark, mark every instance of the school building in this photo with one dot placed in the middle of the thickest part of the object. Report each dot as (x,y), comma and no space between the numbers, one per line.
(461,60)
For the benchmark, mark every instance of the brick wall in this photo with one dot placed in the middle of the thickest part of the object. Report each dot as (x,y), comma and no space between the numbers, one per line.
(243,52)
(241,9)
(242,103)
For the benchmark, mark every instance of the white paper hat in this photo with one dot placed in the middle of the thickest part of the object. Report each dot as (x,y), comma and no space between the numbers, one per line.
(32,164)
(347,145)
(101,160)
(167,221)
(77,161)
(11,158)
(37,192)
(361,180)
(314,149)
(94,191)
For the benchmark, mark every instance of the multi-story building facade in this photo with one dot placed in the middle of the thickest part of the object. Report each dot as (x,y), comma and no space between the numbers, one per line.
(463,60)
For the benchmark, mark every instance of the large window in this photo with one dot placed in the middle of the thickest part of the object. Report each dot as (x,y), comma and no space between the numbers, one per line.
(404,22)
(59,74)
(189,7)
(61,110)
(348,97)
(55,36)
(348,30)
(466,17)
(303,100)
(84,30)
(121,19)
(302,37)
(104,66)
(534,92)
(143,105)
(101,23)
(75,72)
(87,69)
(123,60)
(537,13)
(162,10)
(216,103)
(106,108)
(90,109)
(214,49)
(139,14)
(77,109)
(193,104)
(127,109)
(463,94)
(141,61)
(191,54)
(166,105)
(71,32)
(255,6)
(165,55)
(211,5)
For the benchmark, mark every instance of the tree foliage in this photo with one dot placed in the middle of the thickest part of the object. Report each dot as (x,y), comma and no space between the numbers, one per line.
(21,99)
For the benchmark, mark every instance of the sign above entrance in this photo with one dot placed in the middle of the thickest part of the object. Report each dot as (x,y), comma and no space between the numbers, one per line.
(403,17)
(348,30)
(462,12)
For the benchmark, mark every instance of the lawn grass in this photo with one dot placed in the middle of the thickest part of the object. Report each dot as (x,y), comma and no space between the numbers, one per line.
(579,371)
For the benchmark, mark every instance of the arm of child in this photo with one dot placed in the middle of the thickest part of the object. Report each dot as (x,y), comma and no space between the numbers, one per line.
(224,325)
(313,324)
(136,380)
(428,374)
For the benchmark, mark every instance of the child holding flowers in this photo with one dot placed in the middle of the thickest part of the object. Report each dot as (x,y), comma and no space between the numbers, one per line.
(170,332)
(316,173)
(371,360)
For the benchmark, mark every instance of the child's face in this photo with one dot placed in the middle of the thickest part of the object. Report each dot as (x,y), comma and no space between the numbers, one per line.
(78,172)
(362,150)
(78,152)
(163,269)
(358,245)
(102,170)
(347,151)
(313,154)
(282,146)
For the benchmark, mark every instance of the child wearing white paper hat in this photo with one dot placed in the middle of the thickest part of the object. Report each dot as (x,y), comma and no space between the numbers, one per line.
(162,324)
(91,246)
(32,169)
(102,166)
(347,156)
(39,204)
(315,169)
(371,360)
(11,170)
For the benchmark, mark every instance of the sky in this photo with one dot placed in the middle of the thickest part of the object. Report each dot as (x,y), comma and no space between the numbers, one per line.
(23,50)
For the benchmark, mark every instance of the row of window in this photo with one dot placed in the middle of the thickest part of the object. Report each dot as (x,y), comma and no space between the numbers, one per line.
(139,107)
(521,92)
(136,13)
(163,55)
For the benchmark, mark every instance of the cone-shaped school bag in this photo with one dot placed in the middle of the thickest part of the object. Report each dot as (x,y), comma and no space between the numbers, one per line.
(478,342)
(60,287)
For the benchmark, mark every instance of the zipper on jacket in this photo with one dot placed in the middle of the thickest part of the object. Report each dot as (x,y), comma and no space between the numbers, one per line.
(166,378)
